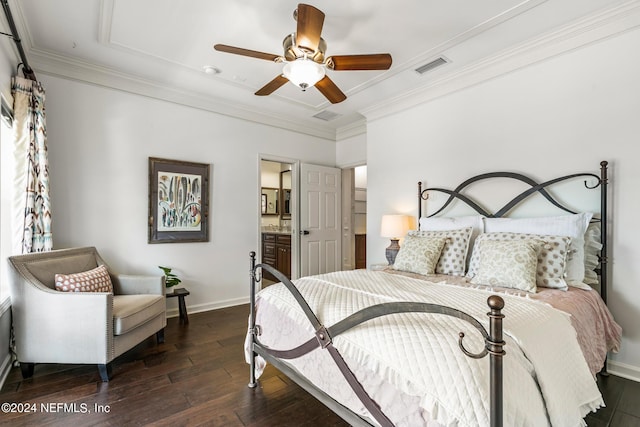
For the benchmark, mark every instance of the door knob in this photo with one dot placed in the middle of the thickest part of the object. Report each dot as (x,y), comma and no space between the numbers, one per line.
(304,232)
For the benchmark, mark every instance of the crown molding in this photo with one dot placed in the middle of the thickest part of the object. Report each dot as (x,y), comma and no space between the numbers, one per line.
(590,29)
(72,69)
(50,63)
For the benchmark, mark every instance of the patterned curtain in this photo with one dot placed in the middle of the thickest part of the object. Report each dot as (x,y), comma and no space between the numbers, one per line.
(32,166)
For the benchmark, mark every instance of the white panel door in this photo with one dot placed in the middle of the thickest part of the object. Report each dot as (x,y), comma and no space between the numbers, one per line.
(320,236)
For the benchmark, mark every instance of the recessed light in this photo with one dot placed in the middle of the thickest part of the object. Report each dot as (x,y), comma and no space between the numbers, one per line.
(210,69)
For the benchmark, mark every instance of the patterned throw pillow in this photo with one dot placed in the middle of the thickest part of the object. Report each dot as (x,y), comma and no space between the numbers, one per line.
(454,253)
(419,254)
(508,263)
(552,257)
(96,280)
(573,226)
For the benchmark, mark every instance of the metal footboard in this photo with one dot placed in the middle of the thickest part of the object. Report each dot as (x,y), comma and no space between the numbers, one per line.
(323,339)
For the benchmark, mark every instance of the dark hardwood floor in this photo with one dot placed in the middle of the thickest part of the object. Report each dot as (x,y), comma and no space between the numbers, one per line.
(199,377)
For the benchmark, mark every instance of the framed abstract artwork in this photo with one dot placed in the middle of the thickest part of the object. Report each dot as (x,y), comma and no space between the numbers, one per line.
(178,201)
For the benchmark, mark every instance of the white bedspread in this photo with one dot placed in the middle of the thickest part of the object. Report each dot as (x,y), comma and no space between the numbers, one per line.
(418,353)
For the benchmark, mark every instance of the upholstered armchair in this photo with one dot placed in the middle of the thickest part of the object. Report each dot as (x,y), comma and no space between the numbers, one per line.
(52,326)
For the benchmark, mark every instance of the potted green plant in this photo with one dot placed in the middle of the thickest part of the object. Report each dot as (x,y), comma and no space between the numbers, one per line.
(170,279)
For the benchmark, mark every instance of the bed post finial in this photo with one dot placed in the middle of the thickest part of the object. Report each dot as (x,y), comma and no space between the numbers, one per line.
(495,346)
(495,302)
(603,171)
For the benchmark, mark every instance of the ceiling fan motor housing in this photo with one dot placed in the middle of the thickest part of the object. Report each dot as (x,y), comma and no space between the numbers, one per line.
(293,52)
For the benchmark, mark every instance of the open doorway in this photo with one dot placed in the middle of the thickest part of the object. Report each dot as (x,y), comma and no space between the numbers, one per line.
(277,218)
(354,217)
(360,216)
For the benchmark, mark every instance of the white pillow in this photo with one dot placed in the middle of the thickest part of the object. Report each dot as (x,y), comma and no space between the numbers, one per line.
(508,263)
(454,253)
(441,223)
(419,254)
(552,256)
(573,226)
(592,248)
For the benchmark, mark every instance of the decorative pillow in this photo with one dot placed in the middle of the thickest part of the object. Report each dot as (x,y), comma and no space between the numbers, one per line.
(573,226)
(552,257)
(454,253)
(592,248)
(419,254)
(96,280)
(508,263)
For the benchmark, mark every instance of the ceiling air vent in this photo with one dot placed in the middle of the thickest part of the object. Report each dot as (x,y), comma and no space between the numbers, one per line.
(431,65)
(326,115)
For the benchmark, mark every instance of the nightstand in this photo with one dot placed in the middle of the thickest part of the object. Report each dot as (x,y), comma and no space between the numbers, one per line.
(182,307)
(379,267)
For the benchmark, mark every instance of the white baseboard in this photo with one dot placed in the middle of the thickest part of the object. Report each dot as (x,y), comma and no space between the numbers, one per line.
(5,368)
(623,370)
(198,308)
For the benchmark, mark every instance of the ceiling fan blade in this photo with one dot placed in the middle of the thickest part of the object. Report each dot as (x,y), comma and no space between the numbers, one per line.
(310,22)
(246,52)
(376,61)
(328,88)
(270,87)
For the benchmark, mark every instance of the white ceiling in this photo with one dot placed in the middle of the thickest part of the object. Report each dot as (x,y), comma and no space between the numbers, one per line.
(163,45)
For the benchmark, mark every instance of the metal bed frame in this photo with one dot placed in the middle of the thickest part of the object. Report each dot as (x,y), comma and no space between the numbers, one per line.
(493,339)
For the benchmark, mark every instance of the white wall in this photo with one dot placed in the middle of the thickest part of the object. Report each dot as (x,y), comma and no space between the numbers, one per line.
(351,151)
(99,143)
(560,116)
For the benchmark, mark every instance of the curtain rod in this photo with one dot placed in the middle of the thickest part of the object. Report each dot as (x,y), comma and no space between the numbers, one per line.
(26,69)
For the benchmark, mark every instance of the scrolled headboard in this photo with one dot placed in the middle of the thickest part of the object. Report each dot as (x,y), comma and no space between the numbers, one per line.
(534,188)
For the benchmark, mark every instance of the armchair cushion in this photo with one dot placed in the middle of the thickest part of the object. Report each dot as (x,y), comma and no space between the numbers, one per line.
(96,280)
(131,311)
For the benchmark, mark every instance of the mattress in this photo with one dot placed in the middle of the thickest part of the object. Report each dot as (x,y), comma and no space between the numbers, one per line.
(411,364)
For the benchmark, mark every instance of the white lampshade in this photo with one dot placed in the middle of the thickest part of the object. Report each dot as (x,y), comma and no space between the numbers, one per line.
(395,226)
(303,72)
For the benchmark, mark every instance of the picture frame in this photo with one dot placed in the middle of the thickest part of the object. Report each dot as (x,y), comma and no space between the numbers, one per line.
(178,201)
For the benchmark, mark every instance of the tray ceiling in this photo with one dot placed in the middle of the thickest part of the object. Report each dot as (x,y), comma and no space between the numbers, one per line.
(165,45)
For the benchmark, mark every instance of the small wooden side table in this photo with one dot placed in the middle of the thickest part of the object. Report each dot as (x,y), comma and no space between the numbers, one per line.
(182,307)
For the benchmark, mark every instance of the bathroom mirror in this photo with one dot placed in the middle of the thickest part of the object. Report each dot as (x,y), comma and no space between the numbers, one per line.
(269,201)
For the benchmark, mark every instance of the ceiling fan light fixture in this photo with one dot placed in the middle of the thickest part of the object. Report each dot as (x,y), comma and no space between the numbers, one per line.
(303,72)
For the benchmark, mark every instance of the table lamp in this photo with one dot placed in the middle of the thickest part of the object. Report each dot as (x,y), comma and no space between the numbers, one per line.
(394,227)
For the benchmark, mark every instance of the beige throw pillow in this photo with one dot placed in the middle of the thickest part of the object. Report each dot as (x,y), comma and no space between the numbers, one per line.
(552,257)
(508,264)
(454,253)
(419,254)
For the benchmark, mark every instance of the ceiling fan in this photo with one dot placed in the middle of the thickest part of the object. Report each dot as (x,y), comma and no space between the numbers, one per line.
(304,58)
